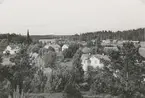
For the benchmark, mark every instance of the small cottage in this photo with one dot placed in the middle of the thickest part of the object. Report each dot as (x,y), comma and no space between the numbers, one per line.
(93,61)
(11,49)
(55,46)
(65,46)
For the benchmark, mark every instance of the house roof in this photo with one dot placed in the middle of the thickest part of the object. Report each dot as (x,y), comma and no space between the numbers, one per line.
(86,50)
(52,45)
(142,44)
(65,45)
(105,57)
(85,56)
(107,49)
(142,52)
(13,46)
(52,40)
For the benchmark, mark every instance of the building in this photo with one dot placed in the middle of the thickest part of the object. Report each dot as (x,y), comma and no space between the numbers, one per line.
(86,50)
(56,47)
(11,49)
(85,58)
(107,50)
(142,44)
(142,51)
(65,46)
(93,61)
(52,41)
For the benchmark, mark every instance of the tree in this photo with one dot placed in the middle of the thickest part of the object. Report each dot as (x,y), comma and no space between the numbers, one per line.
(3,45)
(90,44)
(38,82)
(125,35)
(51,49)
(22,72)
(35,49)
(49,59)
(5,86)
(77,67)
(123,75)
(71,89)
(69,53)
(28,39)
(129,70)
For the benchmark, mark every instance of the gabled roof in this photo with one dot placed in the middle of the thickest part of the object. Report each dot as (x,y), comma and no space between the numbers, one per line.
(13,46)
(65,45)
(106,49)
(85,56)
(105,57)
(142,52)
(52,45)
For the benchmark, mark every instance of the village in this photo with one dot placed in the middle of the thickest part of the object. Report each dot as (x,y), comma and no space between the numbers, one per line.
(50,66)
(72,48)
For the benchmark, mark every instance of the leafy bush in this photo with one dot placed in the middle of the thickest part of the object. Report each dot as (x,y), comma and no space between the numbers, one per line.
(72,91)
(69,53)
(38,82)
(124,75)
(77,67)
(49,59)
(57,80)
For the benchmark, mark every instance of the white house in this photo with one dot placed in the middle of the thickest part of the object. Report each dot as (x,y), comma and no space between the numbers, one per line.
(93,61)
(55,46)
(142,51)
(11,49)
(65,46)
(142,44)
(107,41)
(85,61)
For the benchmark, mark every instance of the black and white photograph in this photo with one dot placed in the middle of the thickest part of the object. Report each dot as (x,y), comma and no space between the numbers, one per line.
(72,48)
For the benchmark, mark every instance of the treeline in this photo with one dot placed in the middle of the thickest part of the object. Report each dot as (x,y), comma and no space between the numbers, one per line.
(38,37)
(13,38)
(135,34)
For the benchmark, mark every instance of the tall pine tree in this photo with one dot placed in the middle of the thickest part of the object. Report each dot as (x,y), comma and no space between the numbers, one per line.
(28,38)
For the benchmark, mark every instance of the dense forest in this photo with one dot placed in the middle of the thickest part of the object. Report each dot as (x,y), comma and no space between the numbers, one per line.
(135,34)
(14,38)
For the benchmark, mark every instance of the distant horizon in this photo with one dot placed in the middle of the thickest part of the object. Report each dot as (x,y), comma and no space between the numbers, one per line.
(70,34)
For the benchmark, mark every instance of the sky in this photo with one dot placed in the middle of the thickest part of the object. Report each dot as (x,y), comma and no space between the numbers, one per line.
(64,17)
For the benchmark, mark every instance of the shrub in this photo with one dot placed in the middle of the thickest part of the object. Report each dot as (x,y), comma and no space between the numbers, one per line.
(71,91)
(69,53)
(57,80)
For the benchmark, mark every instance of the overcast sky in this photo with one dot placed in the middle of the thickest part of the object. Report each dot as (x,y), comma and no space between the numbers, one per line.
(70,16)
